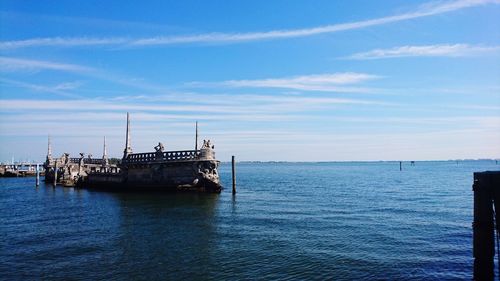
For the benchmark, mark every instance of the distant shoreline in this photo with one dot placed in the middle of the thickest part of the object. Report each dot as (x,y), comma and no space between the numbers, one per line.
(366,161)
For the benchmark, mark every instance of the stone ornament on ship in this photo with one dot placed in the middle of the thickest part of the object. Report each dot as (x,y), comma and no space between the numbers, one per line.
(187,170)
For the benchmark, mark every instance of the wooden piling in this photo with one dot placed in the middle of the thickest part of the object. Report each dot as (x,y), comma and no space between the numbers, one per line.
(234,174)
(37,175)
(483,227)
(55,174)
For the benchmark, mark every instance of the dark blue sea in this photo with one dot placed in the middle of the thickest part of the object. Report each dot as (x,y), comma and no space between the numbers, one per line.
(288,221)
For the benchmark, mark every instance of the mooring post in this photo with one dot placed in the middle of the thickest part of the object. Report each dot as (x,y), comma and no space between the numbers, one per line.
(484,235)
(55,174)
(37,175)
(234,174)
(400,165)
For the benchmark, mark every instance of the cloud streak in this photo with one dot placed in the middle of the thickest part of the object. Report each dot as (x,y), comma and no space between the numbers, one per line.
(62,42)
(331,82)
(10,64)
(425,10)
(59,89)
(17,64)
(440,50)
(247,104)
(428,9)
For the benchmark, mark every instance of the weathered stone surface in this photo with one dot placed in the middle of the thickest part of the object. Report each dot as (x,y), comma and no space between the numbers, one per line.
(159,170)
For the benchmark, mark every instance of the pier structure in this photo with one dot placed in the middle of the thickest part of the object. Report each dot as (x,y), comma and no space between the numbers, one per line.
(71,171)
(18,169)
(486,223)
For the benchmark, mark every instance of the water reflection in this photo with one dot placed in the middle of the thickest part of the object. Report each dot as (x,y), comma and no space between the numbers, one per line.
(168,234)
(233,204)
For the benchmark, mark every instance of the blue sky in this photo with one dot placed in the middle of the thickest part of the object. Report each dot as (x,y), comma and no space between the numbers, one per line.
(267,80)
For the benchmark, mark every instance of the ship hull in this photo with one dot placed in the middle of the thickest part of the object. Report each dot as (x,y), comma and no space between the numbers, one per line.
(199,176)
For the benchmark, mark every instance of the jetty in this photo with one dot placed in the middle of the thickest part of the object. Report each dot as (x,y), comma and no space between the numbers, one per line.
(185,170)
(19,169)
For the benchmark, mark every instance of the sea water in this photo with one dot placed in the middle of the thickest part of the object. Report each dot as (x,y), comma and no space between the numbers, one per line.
(288,221)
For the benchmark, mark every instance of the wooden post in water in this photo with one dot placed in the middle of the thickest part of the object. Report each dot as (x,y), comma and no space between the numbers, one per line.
(234,174)
(484,233)
(400,165)
(55,173)
(37,175)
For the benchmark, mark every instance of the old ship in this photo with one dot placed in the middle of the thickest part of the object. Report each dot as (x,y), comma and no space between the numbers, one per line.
(187,170)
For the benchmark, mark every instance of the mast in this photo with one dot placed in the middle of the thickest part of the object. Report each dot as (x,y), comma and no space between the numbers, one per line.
(196,139)
(104,152)
(128,149)
(49,149)
(105,161)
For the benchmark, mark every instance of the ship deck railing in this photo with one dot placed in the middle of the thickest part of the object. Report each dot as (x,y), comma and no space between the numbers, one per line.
(95,161)
(108,170)
(183,155)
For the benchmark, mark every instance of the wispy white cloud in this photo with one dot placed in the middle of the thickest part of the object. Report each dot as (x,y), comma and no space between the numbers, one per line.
(428,9)
(67,86)
(477,107)
(89,23)
(331,82)
(104,116)
(16,64)
(230,99)
(12,64)
(245,104)
(147,119)
(106,105)
(492,121)
(58,89)
(84,133)
(62,42)
(79,125)
(439,50)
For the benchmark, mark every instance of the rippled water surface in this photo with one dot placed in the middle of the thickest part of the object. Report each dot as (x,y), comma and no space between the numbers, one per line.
(342,221)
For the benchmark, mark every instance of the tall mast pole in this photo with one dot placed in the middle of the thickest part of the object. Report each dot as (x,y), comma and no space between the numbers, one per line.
(196,139)
(128,149)
(104,152)
(105,161)
(49,149)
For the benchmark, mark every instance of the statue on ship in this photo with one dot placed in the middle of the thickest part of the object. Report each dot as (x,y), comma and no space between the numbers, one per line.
(159,151)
